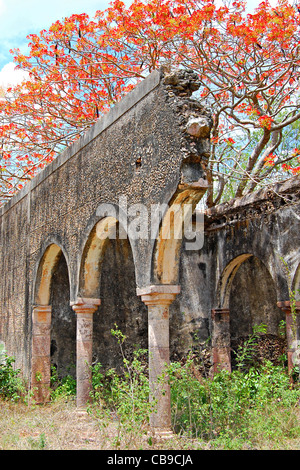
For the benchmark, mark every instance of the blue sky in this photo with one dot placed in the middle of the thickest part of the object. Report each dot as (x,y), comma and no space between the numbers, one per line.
(18,18)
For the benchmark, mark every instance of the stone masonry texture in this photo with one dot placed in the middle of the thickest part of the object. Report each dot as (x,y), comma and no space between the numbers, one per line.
(151,147)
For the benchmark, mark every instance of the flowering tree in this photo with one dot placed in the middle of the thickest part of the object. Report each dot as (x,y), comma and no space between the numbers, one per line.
(247,66)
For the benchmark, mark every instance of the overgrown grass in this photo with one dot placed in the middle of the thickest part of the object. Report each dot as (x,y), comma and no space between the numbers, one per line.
(253,407)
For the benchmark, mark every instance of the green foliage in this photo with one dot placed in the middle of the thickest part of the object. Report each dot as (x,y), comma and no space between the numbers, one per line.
(225,408)
(254,403)
(246,352)
(125,395)
(64,388)
(11,385)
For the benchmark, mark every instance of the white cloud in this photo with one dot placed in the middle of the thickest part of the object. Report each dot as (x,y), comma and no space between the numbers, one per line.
(2,7)
(10,76)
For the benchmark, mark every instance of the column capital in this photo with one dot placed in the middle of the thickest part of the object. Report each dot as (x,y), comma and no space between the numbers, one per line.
(42,308)
(286,306)
(162,294)
(220,314)
(41,313)
(85,305)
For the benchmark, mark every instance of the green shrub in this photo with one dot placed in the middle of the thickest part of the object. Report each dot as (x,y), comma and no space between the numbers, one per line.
(11,385)
(253,404)
(62,388)
(123,396)
(128,393)
(226,408)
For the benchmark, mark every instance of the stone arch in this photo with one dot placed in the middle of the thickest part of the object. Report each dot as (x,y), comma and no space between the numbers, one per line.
(175,223)
(108,272)
(247,296)
(51,319)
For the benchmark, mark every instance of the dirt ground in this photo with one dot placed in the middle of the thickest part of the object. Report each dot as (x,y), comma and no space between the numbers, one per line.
(60,426)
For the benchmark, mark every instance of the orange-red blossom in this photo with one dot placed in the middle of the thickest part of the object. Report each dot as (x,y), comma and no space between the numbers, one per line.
(247,65)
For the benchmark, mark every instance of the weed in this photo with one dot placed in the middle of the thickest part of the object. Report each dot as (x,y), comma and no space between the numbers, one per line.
(255,406)
(125,396)
(11,385)
(39,443)
(62,388)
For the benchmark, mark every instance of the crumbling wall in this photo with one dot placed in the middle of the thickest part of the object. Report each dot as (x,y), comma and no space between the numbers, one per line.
(153,142)
(14,272)
(151,148)
(240,267)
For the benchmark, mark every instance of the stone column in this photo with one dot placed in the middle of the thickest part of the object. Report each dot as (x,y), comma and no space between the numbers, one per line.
(84,309)
(292,331)
(40,353)
(158,299)
(221,340)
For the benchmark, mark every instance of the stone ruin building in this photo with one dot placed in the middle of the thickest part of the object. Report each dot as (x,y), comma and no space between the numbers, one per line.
(72,265)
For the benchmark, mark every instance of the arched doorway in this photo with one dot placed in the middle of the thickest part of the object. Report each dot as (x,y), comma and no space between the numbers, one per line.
(107,288)
(246,297)
(53,322)
(253,302)
(63,323)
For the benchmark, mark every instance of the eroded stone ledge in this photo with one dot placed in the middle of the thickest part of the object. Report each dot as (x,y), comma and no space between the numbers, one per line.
(255,205)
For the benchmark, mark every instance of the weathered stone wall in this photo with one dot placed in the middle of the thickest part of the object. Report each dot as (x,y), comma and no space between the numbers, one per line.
(150,145)
(151,148)
(240,267)
(15,278)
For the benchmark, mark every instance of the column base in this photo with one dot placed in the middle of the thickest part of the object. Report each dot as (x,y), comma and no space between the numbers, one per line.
(161,434)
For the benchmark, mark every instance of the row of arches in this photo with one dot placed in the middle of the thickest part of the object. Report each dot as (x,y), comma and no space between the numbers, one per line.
(102,291)
(71,333)
(248,295)
(107,284)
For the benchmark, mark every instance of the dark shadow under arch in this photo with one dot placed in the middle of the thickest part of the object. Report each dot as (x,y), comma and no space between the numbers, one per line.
(253,302)
(63,322)
(108,273)
(253,299)
(52,288)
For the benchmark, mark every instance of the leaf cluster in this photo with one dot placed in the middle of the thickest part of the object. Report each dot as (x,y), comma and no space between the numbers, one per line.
(11,384)
(247,66)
